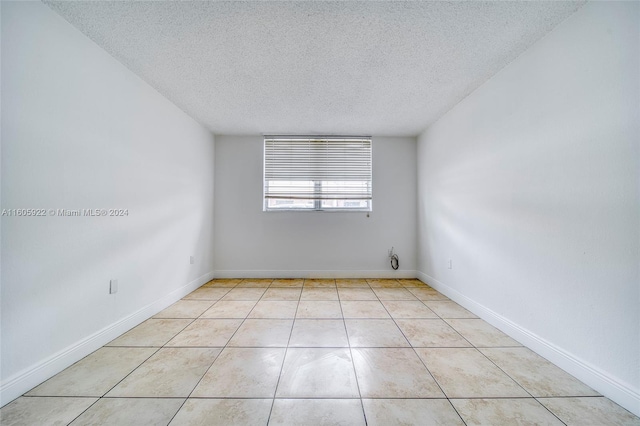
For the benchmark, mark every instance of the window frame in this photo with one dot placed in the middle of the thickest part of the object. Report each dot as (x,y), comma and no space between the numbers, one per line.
(318,200)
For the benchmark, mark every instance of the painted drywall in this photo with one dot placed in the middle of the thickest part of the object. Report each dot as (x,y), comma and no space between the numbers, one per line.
(80,131)
(251,243)
(530,187)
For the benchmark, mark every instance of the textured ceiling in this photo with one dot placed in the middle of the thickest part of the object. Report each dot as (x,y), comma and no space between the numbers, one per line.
(379,68)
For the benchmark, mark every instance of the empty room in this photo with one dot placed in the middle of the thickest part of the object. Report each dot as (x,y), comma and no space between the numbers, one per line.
(320,213)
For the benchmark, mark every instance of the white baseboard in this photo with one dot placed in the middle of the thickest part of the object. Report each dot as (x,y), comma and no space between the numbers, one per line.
(619,392)
(32,376)
(315,274)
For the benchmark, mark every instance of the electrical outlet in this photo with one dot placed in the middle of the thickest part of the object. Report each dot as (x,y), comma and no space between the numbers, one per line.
(113,286)
(192,260)
(450,265)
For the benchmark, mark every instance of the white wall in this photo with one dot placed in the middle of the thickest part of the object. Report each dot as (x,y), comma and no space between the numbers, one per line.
(79,130)
(530,185)
(251,243)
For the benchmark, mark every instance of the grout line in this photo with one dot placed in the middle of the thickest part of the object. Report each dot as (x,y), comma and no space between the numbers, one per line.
(295,318)
(120,381)
(456,410)
(353,363)
(214,360)
(208,368)
(132,371)
(518,383)
(423,363)
(503,371)
(284,358)
(318,397)
(84,411)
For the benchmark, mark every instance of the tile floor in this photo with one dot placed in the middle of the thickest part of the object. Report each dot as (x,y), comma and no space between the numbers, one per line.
(314,352)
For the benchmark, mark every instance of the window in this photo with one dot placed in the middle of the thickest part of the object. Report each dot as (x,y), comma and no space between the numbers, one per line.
(317,173)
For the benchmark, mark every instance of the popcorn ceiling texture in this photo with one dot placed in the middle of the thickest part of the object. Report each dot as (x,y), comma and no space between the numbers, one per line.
(380,68)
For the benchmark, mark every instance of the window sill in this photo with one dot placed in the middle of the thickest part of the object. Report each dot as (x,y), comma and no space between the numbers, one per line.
(317,211)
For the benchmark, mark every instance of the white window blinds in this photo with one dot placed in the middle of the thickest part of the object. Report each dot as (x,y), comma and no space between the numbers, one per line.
(317,173)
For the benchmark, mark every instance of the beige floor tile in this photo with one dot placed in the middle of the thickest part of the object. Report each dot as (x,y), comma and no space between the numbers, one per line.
(223,282)
(207,293)
(319,294)
(481,334)
(394,294)
(170,372)
(262,333)
(383,283)
(152,332)
(428,293)
(317,373)
(411,282)
(251,294)
(363,309)
(130,412)
(431,333)
(43,411)
(287,282)
(466,373)
(224,412)
(274,309)
(393,373)
(374,333)
(521,412)
(410,412)
(185,309)
(536,374)
(319,309)
(229,309)
(356,293)
(304,412)
(491,383)
(242,373)
(206,333)
(320,283)
(255,283)
(408,309)
(448,309)
(95,374)
(276,293)
(589,411)
(351,282)
(317,333)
